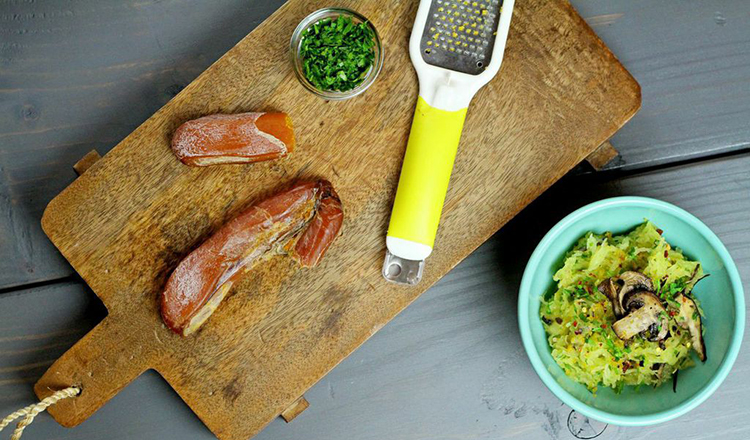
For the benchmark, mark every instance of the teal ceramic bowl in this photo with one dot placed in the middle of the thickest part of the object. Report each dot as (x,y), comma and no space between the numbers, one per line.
(720,295)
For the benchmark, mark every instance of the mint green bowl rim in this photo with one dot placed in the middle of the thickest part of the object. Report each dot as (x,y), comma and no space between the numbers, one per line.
(539,366)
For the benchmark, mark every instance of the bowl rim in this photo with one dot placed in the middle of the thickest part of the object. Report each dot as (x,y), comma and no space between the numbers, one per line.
(618,419)
(296,41)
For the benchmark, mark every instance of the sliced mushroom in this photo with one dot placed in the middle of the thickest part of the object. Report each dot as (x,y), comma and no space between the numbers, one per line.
(609,289)
(617,289)
(631,282)
(659,370)
(663,372)
(690,319)
(694,278)
(647,315)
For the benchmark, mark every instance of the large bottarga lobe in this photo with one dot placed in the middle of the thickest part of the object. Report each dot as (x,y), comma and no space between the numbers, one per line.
(304,219)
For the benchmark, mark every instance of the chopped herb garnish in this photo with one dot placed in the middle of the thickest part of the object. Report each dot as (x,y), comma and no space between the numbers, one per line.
(336,54)
(669,291)
(585,343)
(619,387)
(663,315)
(613,349)
(578,292)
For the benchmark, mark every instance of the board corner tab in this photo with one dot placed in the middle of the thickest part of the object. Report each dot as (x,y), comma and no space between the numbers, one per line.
(603,155)
(295,409)
(86,162)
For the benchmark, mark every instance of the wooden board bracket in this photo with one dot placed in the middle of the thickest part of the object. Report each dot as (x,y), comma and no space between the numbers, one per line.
(86,162)
(295,409)
(603,155)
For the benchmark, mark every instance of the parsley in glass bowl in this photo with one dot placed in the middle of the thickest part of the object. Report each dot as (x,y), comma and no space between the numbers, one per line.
(336,53)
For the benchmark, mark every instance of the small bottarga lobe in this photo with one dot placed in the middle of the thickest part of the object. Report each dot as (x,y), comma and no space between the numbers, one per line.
(233,139)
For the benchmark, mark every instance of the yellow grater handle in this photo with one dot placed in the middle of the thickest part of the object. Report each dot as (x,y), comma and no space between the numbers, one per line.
(426,173)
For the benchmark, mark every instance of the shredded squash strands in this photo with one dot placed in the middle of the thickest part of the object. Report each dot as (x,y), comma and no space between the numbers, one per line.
(578,318)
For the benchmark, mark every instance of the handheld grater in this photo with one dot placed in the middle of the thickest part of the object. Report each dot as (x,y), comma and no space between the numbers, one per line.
(456,47)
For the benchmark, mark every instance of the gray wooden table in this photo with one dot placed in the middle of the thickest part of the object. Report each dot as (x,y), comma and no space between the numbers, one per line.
(81,74)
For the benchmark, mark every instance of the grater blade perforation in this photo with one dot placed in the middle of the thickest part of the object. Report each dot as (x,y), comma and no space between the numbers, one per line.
(459,35)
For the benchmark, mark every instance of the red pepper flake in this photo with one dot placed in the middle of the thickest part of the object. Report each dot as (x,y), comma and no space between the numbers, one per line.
(604,325)
(659,231)
(575,323)
(672,313)
(666,253)
(579,283)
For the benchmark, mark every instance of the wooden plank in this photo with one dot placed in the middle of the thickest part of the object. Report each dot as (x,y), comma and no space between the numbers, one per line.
(36,327)
(116,61)
(77,76)
(450,366)
(692,60)
(126,222)
(33,335)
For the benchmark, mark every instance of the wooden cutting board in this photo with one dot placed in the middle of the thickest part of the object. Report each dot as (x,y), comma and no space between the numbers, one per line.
(127,221)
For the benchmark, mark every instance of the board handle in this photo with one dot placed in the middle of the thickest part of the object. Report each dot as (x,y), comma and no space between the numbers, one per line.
(98,365)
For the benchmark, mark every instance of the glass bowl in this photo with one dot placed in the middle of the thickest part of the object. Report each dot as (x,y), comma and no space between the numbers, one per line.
(296,44)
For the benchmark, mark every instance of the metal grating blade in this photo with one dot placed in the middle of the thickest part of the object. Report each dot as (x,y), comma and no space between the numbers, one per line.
(460,34)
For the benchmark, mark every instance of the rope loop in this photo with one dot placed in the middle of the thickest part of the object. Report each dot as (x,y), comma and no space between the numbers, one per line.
(32,411)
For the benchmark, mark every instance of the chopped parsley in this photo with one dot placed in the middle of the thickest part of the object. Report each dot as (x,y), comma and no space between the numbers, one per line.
(616,352)
(632,254)
(619,386)
(578,291)
(669,291)
(337,53)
